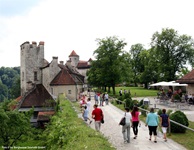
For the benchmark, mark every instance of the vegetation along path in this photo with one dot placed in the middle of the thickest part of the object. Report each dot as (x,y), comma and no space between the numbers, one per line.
(112,131)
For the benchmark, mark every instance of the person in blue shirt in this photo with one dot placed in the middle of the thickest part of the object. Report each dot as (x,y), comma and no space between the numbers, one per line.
(85,115)
(152,123)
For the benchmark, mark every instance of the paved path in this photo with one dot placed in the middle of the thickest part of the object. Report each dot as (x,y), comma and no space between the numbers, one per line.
(112,131)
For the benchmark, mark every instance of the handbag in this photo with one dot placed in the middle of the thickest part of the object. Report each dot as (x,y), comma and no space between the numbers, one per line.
(102,120)
(122,122)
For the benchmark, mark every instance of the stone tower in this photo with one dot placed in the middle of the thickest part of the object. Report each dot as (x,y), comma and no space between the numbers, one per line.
(74,58)
(31,60)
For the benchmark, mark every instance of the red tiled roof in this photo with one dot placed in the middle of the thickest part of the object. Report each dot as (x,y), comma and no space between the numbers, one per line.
(188,78)
(63,78)
(38,97)
(18,99)
(83,64)
(73,53)
(45,116)
(14,105)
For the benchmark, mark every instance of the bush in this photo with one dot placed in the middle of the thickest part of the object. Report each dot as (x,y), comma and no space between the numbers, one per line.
(121,98)
(159,112)
(128,102)
(144,113)
(127,95)
(177,97)
(169,112)
(181,118)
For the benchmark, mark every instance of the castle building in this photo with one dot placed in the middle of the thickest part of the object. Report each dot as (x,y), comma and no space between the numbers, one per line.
(42,82)
(81,66)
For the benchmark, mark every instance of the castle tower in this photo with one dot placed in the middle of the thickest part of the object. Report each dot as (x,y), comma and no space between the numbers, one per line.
(74,58)
(31,60)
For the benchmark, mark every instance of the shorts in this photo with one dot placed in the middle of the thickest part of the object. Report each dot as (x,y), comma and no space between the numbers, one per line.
(164,129)
(85,118)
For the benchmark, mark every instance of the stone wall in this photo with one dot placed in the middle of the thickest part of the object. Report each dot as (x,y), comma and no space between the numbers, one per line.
(74,60)
(71,91)
(49,74)
(190,88)
(31,59)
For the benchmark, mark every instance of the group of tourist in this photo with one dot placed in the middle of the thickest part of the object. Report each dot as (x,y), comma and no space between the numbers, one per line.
(101,98)
(97,113)
(152,121)
(131,119)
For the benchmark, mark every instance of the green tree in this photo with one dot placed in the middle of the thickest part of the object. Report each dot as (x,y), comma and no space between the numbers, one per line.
(15,89)
(3,92)
(182,72)
(172,52)
(13,125)
(147,71)
(110,63)
(137,66)
(7,78)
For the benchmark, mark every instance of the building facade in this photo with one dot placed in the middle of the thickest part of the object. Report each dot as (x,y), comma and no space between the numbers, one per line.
(42,82)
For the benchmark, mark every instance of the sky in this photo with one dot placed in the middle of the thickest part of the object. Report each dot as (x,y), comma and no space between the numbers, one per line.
(66,25)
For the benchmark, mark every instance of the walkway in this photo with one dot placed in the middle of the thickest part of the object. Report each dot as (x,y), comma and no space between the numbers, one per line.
(112,131)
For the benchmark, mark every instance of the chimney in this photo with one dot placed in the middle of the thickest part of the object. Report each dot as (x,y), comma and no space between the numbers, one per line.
(33,42)
(41,43)
(61,62)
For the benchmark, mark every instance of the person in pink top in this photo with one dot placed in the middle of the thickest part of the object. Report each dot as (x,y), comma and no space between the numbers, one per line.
(135,120)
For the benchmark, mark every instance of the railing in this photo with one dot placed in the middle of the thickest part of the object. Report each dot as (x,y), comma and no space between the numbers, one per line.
(120,101)
(169,129)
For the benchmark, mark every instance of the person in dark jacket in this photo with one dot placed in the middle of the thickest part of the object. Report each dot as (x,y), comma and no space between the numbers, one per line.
(165,122)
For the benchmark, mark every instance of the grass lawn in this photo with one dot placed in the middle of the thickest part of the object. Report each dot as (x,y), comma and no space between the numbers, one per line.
(185,139)
(137,91)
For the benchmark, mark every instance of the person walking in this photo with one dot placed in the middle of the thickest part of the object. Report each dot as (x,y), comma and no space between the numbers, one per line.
(120,92)
(85,115)
(126,127)
(88,104)
(96,98)
(97,115)
(165,122)
(152,123)
(135,120)
(106,98)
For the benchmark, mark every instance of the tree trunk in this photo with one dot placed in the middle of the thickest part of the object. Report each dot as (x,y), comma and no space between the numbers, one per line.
(109,89)
(6,147)
(113,89)
(146,85)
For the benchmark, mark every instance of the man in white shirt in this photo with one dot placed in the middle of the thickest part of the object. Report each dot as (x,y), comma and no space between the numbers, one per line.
(106,98)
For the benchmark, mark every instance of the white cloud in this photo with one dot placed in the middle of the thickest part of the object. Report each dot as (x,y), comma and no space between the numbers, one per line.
(74,25)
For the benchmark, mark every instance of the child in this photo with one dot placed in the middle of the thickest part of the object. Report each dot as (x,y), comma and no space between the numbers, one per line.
(85,115)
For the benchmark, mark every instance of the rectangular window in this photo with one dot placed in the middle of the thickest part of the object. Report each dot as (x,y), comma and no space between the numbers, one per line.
(22,76)
(35,76)
(51,90)
(69,91)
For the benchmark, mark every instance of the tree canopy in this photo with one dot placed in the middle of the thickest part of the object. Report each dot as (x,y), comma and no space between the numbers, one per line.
(13,125)
(9,83)
(171,51)
(110,64)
